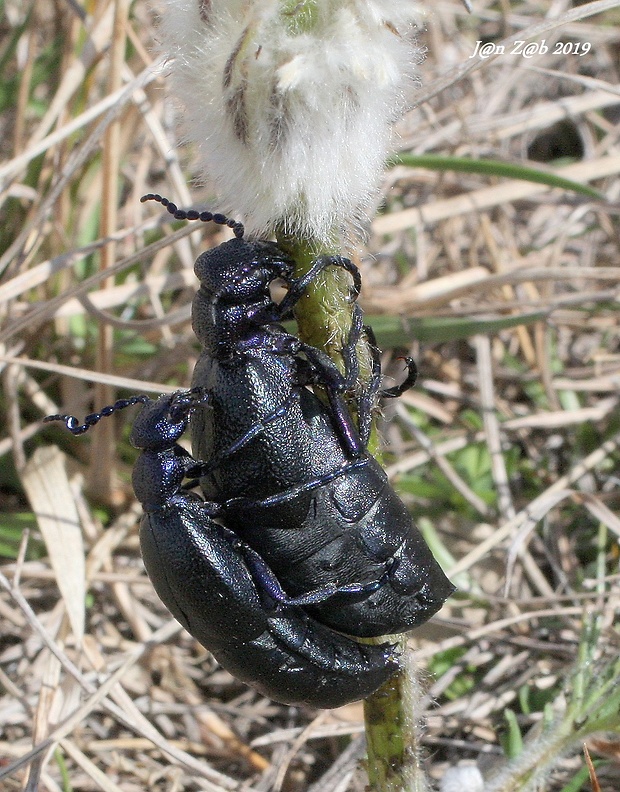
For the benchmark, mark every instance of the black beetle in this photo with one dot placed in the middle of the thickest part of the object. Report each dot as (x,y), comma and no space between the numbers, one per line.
(292,474)
(220,589)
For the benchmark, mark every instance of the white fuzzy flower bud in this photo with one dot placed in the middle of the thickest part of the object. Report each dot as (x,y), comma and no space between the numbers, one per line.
(290,103)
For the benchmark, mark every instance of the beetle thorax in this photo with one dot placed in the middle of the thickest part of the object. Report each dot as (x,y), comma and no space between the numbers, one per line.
(222,326)
(234,300)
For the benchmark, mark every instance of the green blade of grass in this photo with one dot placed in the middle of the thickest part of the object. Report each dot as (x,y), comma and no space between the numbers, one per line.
(391,331)
(488,167)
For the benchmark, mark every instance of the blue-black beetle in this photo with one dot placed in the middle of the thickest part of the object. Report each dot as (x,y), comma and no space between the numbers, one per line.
(294,479)
(220,589)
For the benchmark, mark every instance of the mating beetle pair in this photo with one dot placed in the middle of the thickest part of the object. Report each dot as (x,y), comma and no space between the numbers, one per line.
(291,477)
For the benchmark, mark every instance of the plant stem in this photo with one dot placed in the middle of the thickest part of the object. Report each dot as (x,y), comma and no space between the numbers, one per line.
(392,731)
(324,319)
(324,313)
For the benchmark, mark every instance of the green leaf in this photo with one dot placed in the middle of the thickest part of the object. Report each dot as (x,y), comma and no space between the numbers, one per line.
(489,167)
(512,740)
(394,331)
(12,526)
(64,771)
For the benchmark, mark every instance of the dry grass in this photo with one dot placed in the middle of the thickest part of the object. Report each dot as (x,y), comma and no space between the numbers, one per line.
(509,444)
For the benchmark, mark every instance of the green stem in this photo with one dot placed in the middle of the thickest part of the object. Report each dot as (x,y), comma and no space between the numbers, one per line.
(392,731)
(542,751)
(324,314)
(324,320)
(539,755)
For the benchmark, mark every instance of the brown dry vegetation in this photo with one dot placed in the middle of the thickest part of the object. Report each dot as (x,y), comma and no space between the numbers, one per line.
(507,450)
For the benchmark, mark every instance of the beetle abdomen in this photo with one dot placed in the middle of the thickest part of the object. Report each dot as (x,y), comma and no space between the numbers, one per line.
(199,572)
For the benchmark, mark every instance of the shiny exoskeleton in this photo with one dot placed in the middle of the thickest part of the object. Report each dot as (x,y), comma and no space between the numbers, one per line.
(294,479)
(221,590)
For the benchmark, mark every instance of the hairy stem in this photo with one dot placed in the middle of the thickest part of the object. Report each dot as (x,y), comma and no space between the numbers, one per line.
(393,731)
(324,320)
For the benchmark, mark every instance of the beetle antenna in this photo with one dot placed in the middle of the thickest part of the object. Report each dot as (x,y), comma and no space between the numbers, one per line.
(193,214)
(76,428)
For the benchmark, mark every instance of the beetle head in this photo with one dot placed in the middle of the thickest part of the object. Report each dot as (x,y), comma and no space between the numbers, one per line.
(240,272)
(162,422)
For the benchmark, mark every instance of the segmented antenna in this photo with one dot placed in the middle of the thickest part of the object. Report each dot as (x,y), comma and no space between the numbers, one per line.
(193,214)
(75,427)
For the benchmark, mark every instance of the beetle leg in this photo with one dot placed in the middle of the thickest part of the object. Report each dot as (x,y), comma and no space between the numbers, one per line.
(397,390)
(325,592)
(368,397)
(319,369)
(298,286)
(327,373)
(241,503)
(349,351)
(367,400)
(200,469)
(343,422)
(345,425)
(266,580)
(408,382)
(324,372)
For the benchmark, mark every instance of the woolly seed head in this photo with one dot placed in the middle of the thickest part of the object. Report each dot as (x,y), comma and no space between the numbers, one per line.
(290,104)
